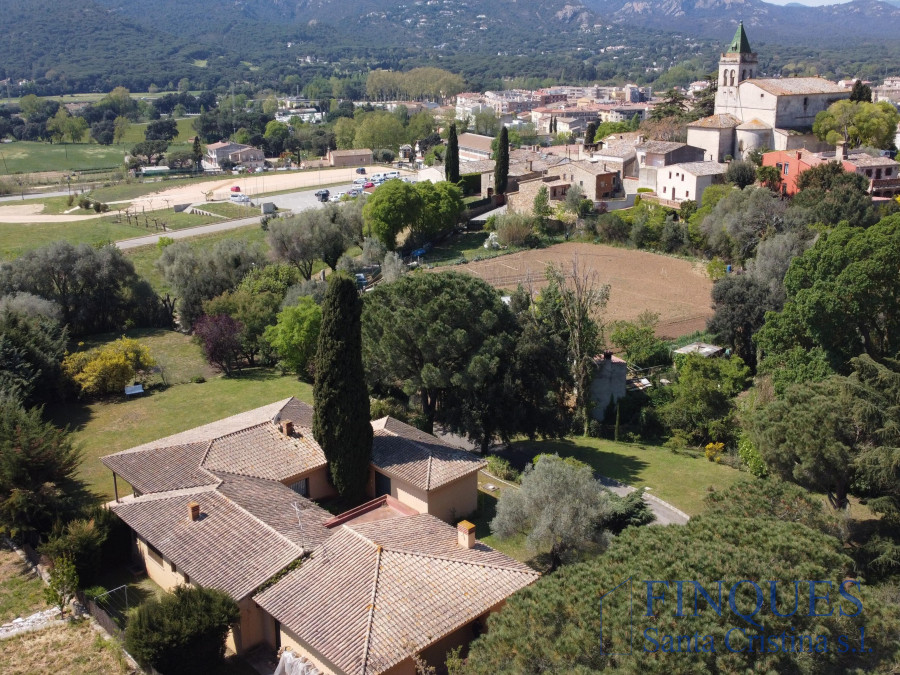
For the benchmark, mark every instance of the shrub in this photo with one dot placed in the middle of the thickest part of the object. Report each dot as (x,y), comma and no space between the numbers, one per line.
(750,457)
(388,407)
(107,369)
(514,230)
(713,452)
(502,469)
(198,379)
(63,583)
(182,633)
(162,242)
(80,541)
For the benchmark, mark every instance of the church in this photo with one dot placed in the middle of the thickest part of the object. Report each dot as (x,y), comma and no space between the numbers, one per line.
(752,112)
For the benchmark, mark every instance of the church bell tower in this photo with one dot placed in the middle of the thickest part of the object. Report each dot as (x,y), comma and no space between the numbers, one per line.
(736,65)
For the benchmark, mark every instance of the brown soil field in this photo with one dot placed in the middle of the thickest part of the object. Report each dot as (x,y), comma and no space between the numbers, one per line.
(678,290)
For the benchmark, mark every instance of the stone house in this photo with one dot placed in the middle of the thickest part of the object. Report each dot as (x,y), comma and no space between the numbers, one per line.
(473,148)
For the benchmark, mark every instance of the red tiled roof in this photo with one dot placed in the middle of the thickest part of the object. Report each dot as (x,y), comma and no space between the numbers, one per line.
(419,458)
(162,469)
(227,548)
(264,452)
(378,590)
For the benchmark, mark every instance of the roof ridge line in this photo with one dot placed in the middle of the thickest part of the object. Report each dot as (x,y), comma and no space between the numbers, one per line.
(170,494)
(433,556)
(254,517)
(371,618)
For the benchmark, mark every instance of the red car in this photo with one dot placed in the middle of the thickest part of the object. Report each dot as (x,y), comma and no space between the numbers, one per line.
(369,184)
(235,189)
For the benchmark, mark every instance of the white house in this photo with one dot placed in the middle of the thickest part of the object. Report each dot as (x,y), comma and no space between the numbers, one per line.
(680,182)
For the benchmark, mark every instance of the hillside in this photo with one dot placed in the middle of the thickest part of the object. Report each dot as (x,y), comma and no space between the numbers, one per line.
(862,19)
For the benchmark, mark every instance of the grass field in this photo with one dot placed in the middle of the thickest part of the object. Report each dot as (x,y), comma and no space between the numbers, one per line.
(135,133)
(16,239)
(21,590)
(29,157)
(678,479)
(468,245)
(74,648)
(104,427)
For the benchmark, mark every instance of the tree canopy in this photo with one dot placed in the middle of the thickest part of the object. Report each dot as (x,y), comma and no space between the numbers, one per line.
(858,122)
(341,421)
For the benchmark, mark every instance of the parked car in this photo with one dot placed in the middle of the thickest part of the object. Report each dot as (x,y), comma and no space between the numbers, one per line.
(361,170)
(361,181)
(322,195)
(369,184)
(336,197)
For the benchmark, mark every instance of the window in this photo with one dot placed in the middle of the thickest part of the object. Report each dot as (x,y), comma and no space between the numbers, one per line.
(887,172)
(670,174)
(780,167)
(682,178)
(869,173)
(301,487)
(787,168)
(187,579)
(154,553)
(687,194)
(664,189)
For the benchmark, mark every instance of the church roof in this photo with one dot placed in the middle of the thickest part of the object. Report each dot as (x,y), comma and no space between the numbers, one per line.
(720,121)
(739,43)
(797,86)
(753,125)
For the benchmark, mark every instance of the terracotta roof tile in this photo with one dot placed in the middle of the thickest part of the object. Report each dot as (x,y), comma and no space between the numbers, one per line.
(660,147)
(264,452)
(380,589)
(227,548)
(273,503)
(419,458)
(798,86)
(163,469)
(722,121)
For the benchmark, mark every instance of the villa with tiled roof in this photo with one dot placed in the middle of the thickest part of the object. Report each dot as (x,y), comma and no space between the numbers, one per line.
(229,505)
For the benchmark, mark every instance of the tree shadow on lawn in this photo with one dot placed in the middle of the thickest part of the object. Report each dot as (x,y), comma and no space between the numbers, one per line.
(623,467)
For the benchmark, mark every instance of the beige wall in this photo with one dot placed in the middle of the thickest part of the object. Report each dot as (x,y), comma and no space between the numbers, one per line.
(159,569)
(319,487)
(456,500)
(291,641)
(449,502)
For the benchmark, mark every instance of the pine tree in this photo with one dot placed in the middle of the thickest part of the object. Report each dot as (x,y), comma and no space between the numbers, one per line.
(341,422)
(861,92)
(451,158)
(197,152)
(501,170)
(590,133)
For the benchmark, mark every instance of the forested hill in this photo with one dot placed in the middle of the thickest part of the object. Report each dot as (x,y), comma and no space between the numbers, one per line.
(85,45)
(859,19)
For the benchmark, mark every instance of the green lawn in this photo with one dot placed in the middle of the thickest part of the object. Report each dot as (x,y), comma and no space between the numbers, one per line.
(135,133)
(16,239)
(21,591)
(678,479)
(230,210)
(32,156)
(108,426)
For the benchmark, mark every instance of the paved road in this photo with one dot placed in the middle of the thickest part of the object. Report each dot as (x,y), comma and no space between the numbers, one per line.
(37,195)
(294,201)
(666,514)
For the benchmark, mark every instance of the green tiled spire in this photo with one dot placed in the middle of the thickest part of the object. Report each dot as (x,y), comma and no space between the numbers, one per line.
(739,44)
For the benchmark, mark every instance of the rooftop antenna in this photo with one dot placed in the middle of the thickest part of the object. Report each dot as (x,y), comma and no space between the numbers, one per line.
(297,510)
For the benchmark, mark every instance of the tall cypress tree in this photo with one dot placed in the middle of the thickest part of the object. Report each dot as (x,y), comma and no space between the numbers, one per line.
(341,421)
(501,168)
(451,157)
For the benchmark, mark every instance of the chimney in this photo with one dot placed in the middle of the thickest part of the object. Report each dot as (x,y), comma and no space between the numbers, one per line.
(840,151)
(607,355)
(287,428)
(528,164)
(465,534)
(194,510)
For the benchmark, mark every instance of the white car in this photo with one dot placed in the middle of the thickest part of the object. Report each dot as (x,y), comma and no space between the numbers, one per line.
(361,181)
(336,197)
